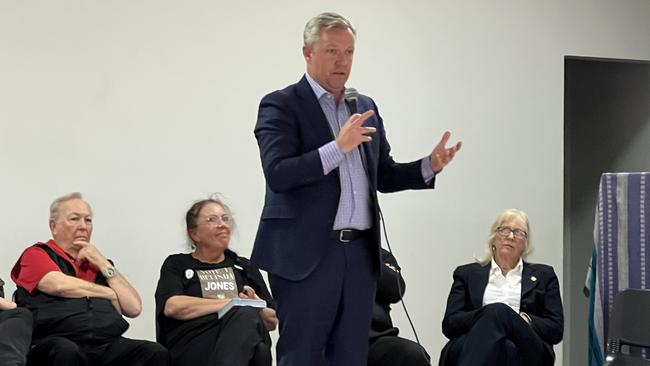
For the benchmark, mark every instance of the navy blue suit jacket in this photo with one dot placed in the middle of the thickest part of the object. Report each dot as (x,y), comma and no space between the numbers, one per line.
(301,202)
(540,299)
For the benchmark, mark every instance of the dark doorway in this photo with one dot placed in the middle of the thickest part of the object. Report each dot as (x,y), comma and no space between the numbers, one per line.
(606,129)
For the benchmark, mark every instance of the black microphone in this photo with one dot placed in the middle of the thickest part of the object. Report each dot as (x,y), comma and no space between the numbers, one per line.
(351,95)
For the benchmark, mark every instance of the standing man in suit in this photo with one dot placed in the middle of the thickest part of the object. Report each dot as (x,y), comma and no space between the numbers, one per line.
(318,236)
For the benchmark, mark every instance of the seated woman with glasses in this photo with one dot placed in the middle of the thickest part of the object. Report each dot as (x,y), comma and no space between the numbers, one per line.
(194,317)
(503,310)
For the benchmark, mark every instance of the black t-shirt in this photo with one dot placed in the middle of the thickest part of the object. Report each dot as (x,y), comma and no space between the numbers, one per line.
(182,274)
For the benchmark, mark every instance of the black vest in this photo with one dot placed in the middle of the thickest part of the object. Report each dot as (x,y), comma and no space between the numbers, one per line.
(85,319)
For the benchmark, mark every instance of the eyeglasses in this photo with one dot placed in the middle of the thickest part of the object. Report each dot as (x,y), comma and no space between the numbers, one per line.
(517,233)
(215,220)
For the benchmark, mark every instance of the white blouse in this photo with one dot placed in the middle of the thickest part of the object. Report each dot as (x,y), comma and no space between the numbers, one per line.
(505,289)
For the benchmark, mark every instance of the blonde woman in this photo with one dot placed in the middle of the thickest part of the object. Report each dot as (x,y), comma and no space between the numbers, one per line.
(503,310)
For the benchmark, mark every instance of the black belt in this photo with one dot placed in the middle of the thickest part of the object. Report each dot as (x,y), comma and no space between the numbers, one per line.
(348,235)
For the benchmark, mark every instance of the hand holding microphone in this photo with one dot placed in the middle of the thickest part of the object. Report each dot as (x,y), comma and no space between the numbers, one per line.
(353,133)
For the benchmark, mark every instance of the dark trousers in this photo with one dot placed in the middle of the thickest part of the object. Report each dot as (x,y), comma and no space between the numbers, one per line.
(239,338)
(396,351)
(15,336)
(325,318)
(499,337)
(59,351)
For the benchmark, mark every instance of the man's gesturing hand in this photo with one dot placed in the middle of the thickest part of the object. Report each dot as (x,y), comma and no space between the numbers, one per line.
(352,133)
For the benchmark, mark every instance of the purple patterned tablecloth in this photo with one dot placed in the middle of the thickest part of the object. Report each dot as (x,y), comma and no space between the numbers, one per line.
(621,254)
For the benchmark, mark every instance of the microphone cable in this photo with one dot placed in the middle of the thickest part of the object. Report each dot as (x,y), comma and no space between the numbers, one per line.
(399,287)
(351,97)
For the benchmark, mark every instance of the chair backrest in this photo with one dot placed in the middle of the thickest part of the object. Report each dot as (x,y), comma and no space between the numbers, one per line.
(630,319)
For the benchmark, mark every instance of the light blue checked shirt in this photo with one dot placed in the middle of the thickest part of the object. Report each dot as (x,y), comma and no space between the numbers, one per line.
(354,210)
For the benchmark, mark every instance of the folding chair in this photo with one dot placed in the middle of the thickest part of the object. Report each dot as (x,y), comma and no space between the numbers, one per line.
(629,326)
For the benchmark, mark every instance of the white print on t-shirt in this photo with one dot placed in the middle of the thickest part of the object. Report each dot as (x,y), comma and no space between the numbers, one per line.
(218,283)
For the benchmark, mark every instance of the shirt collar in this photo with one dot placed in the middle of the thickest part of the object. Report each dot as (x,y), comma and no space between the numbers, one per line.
(494,267)
(317,88)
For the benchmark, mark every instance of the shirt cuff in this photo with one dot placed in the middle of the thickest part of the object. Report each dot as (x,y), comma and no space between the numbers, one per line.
(331,156)
(427,173)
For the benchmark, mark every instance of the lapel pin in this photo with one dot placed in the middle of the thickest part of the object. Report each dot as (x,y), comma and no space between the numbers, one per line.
(533,278)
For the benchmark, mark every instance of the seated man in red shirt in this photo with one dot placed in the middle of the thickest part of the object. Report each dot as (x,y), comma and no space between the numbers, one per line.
(78,297)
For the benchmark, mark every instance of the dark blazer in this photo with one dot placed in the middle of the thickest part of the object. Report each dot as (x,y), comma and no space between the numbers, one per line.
(540,299)
(301,202)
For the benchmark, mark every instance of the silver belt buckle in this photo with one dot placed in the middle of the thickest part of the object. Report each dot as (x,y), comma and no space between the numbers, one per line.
(341,236)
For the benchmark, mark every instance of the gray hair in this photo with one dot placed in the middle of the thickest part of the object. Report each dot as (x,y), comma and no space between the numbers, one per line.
(504,216)
(324,21)
(55,207)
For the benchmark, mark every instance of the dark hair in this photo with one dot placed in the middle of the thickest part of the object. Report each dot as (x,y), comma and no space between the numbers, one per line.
(192,214)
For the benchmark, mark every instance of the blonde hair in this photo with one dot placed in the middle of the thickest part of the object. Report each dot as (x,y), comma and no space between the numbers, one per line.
(504,216)
(321,22)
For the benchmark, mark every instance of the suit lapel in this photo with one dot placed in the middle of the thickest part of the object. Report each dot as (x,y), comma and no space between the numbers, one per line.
(528,280)
(313,118)
(479,281)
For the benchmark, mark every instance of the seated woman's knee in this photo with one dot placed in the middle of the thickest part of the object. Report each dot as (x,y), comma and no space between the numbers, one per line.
(156,350)
(246,315)
(498,310)
(64,346)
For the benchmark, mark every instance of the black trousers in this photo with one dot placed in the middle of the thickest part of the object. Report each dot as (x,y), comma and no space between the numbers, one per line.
(15,336)
(499,337)
(396,351)
(238,339)
(59,351)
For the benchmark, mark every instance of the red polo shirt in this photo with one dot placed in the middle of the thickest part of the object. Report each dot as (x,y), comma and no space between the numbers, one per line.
(35,263)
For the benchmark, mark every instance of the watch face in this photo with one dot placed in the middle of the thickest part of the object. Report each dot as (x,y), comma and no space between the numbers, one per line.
(110,272)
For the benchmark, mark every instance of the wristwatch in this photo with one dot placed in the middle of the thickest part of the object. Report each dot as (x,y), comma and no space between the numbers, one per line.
(526,318)
(109,271)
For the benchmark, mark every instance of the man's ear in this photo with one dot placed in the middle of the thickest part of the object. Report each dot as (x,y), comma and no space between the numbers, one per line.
(52,226)
(306,53)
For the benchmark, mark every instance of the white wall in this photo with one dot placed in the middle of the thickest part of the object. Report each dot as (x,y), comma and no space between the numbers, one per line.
(145,106)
